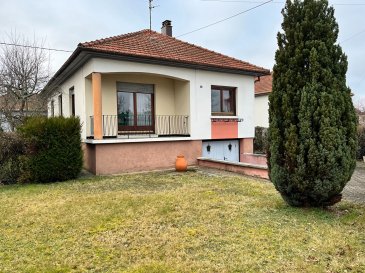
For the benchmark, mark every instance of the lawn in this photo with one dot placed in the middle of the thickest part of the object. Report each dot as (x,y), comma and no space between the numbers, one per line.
(173,222)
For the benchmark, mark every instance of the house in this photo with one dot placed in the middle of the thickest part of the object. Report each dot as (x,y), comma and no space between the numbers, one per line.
(361,117)
(11,114)
(145,97)
(263,87)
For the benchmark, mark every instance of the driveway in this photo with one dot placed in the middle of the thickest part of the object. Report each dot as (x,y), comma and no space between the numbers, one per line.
(355,189)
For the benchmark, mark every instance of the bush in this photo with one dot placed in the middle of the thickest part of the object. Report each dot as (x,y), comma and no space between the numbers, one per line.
(12,150)
(54,153)
(361,141)
(260,143)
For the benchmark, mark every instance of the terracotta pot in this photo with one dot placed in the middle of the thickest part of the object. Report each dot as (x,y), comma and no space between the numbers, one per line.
(181,165)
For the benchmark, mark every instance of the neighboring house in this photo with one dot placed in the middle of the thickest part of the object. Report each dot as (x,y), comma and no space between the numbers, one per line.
(33,107)
(361,117)
(4,125)
(144,97)
(263,87)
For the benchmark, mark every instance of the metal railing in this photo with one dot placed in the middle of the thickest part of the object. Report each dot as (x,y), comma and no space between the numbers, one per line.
(172,125)
(151,126)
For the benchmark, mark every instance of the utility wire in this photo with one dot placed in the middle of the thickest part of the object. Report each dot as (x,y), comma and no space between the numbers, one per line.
(239,1)
(36,47)
(353,36)
(225,19)
(212,24)
(279,2)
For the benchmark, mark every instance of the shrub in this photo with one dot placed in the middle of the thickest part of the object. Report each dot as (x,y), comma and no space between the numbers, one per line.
(361,139)
(54,153)
(12,149)
(312,133)
(260,143)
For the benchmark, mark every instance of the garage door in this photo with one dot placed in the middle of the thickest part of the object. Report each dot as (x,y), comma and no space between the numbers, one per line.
(223,150)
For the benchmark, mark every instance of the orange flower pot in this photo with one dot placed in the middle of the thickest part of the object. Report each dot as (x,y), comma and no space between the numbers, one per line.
(181,165)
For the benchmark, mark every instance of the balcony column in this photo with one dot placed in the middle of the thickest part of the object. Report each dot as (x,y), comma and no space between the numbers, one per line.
(97,105)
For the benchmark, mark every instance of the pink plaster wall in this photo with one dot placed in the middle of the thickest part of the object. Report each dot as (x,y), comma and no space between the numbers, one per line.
(251,171)
(253,159)
(246,145)
(143,156)
(224,130)
(89,157)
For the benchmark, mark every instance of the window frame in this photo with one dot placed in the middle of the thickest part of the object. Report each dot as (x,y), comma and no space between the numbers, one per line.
(52,108)
(232,92)
(134,89)
(60,106)
(72,101)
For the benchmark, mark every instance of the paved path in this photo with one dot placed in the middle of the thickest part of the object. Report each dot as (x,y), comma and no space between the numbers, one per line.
(355,189)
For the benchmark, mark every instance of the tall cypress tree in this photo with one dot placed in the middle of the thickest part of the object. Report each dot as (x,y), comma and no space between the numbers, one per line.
(312,130)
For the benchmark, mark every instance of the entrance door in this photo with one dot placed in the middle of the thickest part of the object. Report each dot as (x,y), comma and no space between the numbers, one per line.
(135,108)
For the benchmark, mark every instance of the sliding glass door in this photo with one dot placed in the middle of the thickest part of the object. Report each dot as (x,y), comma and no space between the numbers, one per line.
(135,107)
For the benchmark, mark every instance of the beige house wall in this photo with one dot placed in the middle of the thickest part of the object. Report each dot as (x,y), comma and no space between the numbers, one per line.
(182,97)
(166,92)
(261,111)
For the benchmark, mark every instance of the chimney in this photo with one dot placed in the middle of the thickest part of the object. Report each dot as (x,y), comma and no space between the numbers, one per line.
(166,28)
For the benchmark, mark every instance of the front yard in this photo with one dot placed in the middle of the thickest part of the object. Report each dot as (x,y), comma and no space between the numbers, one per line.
(171,222)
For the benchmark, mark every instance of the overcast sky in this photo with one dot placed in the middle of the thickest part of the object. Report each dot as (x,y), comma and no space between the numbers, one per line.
(250,36)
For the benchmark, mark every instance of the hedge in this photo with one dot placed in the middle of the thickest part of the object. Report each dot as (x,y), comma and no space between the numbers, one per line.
(260,143)
(361,142)
(12,150)
(54,152)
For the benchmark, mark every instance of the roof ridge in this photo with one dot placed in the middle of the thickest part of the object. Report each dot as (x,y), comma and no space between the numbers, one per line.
(113,38)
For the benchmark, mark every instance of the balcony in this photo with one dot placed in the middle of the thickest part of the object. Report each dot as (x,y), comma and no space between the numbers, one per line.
(142,126)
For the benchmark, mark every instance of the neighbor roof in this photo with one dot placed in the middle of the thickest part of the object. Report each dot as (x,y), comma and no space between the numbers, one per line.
(151,44)
(263,85)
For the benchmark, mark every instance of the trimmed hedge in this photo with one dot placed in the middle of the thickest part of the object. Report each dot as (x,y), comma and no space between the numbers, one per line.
(12,150)
(54,150)
(260,144)
(361,142)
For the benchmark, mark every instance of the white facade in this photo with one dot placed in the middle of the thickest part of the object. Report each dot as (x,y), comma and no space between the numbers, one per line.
(178,91)
(261,111)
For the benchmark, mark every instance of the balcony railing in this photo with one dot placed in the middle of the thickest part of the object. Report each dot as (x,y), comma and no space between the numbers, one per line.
(148,125)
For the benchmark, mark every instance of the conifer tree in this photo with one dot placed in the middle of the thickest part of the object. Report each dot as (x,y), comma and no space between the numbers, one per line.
(312,132)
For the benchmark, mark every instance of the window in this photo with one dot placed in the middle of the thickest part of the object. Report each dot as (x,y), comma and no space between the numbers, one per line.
(52,108)
(135,106)
(223,101)
(60,110)
(72,101)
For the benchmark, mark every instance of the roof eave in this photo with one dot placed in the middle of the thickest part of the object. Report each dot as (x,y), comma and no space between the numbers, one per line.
(81,55)
(143,59)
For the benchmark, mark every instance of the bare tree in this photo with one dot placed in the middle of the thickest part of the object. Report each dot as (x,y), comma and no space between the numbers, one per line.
(360,105)
(23,74)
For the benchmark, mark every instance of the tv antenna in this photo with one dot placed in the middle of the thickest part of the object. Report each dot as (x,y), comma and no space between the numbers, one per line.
(151,7)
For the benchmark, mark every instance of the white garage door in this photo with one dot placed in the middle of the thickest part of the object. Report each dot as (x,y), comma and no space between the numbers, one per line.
(223,150)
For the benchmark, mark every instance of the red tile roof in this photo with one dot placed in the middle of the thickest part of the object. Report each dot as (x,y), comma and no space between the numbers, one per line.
(151,44)
(263,85)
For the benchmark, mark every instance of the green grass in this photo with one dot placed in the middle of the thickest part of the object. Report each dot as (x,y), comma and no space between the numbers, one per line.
(171,222)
